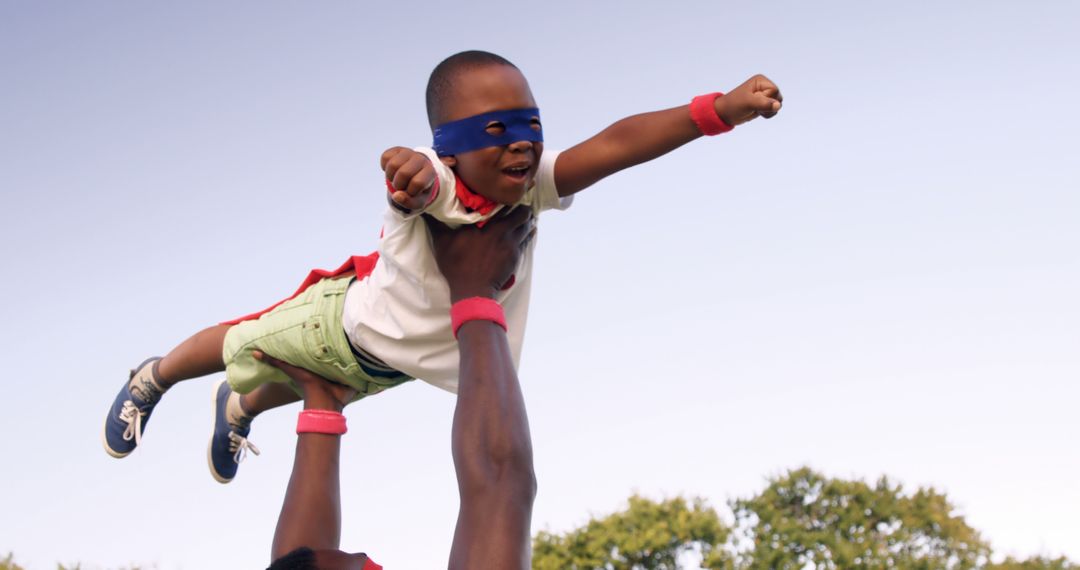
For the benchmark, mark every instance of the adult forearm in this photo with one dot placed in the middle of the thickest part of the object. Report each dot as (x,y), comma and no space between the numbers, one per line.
(628,142)
(311,513)
(491,440)
(492,455)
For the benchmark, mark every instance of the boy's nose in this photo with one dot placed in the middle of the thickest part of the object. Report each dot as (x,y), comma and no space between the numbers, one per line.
(520,146)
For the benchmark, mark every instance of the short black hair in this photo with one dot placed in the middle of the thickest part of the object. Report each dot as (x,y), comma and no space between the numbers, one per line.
(441,82)
(302,558)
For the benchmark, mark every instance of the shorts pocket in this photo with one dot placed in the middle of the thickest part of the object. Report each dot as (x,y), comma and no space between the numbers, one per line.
(313,332)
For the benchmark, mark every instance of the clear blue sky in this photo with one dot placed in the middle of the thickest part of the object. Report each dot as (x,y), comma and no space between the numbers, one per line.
(881,280)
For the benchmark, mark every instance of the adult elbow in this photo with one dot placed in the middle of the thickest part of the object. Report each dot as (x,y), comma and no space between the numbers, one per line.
(509,474)
(515,467)
(516,482)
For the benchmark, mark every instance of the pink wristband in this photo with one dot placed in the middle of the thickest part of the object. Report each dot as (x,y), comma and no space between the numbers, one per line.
(703,112)
(321,421)
(476,309)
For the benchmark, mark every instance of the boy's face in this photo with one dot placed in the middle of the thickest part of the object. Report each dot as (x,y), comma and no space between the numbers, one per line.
(500,173)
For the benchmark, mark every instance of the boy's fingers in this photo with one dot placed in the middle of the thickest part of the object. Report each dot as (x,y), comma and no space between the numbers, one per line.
(426,177)
(770,91)
(762,82)
(404,175)
(391,171)
(419,184)
(764,106)
(387,155)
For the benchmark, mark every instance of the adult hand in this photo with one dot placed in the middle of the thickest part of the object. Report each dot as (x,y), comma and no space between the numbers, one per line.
(318,392)
(477,262)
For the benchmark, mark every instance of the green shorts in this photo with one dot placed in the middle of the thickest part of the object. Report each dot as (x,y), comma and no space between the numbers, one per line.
(305,331)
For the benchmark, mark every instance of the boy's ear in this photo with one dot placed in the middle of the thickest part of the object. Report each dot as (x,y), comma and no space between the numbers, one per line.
(450,161)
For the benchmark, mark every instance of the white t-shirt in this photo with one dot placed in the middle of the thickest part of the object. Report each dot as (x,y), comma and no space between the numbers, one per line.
(401,312)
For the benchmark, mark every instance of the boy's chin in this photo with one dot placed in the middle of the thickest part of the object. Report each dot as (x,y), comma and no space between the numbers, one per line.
(514,200)
(508,196)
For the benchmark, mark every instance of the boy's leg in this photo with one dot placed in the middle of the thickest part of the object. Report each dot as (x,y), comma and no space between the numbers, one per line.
(197,356)
(130,411)
(233,413)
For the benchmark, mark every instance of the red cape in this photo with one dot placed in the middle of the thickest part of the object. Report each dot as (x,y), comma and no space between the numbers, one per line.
(361,264)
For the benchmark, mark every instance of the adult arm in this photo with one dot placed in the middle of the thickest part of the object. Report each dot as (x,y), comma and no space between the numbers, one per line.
(641,138)
(491,444)
(311,513)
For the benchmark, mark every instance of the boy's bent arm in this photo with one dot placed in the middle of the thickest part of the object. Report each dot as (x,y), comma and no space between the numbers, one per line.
(641,138)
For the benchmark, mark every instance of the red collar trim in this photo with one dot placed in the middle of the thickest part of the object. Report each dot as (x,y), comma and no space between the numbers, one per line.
(472,200)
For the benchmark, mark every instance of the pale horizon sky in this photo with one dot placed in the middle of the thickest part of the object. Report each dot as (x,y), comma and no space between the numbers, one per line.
(881,280)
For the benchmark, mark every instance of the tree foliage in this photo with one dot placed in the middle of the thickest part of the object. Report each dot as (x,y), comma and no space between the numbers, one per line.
(804,520)
(8,563)
(1035,563)
(646,536)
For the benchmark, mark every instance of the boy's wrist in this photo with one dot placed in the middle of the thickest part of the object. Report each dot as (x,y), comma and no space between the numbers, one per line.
(722,109)
(705,111)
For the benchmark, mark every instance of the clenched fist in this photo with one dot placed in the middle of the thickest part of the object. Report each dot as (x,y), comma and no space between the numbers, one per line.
(757,97)
(411,175)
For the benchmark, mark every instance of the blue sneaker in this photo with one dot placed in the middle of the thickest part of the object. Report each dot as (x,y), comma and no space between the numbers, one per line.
(228,443)
(130,411)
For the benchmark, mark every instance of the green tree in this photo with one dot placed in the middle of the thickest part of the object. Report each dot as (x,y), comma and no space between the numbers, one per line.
(646,536)
(805,520)
(1036,563)
(8,563)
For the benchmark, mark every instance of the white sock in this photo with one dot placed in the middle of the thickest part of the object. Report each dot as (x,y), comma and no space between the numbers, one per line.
(234,413)
(145,385)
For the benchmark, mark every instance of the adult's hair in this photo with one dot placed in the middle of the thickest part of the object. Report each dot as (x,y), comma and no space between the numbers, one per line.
(441,83)
(302,558)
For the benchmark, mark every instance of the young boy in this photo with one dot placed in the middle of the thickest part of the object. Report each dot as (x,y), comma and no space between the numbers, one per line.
(381,320)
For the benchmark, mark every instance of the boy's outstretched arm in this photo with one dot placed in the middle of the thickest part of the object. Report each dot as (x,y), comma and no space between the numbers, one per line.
(641,138)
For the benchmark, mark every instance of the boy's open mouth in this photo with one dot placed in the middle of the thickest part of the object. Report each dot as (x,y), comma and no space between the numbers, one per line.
(518,173)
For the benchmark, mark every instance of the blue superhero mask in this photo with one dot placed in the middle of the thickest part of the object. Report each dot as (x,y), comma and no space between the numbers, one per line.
(471,133)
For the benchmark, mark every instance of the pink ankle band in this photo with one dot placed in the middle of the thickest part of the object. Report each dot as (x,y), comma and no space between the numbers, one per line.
(476,309)
(703,112)
(321,421)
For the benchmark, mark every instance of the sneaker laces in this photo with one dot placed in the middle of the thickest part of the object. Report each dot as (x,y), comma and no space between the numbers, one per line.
(240,445)
(132,416)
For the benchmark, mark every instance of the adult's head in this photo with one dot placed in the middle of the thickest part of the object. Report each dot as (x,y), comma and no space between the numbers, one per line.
(304,558)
